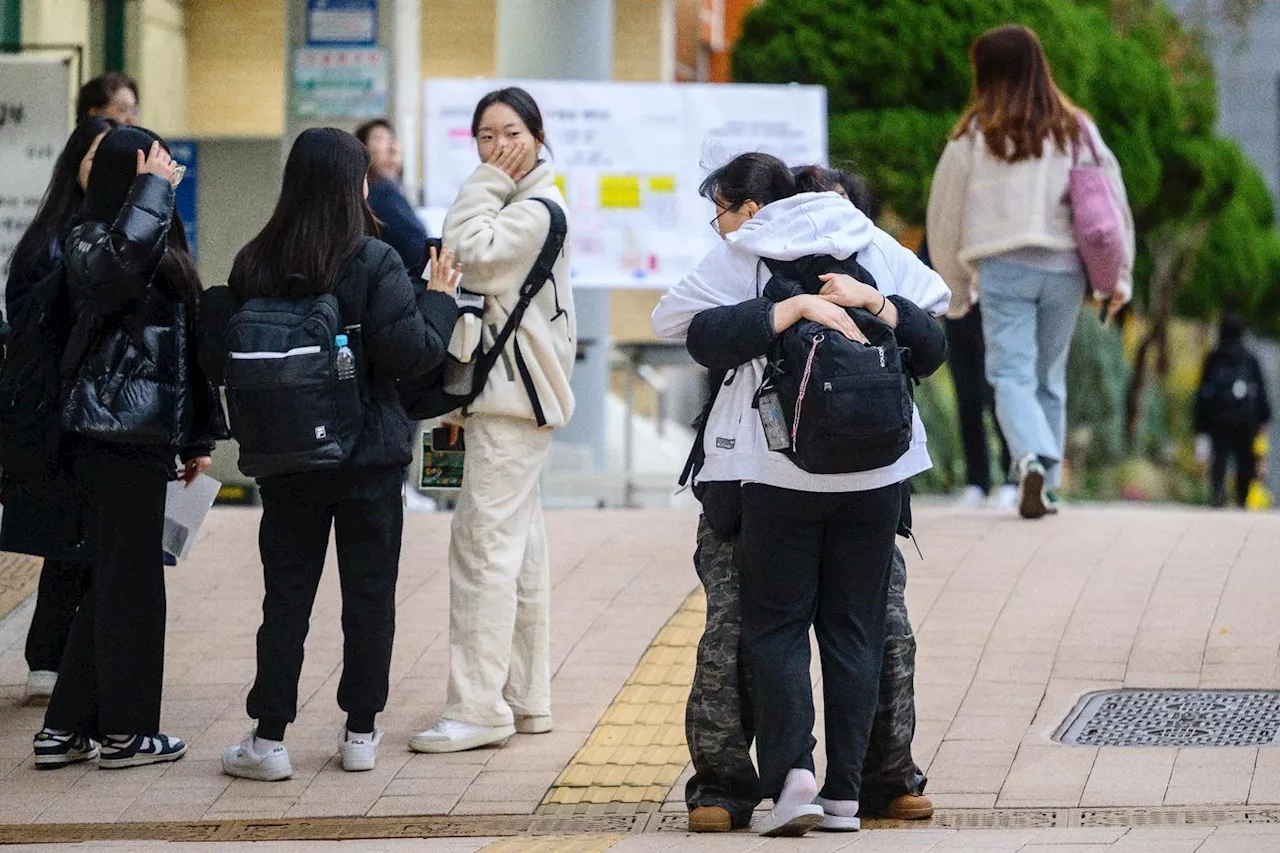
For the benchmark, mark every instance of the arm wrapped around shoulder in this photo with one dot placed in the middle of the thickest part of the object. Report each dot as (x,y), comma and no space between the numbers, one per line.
(729,336)
(922,334)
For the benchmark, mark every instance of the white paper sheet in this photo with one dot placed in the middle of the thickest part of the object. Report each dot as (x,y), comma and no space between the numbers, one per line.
(185,508)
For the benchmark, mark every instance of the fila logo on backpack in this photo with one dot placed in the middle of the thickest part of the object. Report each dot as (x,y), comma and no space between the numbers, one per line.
(293,394)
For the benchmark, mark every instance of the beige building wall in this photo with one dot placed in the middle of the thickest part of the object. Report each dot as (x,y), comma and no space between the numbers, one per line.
(459,38)
(156,56)
(59,22)
(235,67)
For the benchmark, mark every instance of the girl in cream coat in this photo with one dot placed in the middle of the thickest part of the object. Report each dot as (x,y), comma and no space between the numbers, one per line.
(499,577)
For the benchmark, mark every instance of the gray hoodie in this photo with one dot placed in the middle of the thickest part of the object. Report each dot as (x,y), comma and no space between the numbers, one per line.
(803,225)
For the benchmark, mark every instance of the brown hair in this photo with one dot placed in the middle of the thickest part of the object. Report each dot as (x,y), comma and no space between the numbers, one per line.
(1016,104)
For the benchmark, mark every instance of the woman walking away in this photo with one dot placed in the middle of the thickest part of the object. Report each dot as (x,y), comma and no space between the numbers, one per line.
(816,548)
(499,572)
(1000,222)
(399,226)
(138,399)
(316,259)
(46,516)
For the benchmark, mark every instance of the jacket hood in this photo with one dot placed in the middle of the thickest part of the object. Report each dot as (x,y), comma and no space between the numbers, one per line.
(803,225)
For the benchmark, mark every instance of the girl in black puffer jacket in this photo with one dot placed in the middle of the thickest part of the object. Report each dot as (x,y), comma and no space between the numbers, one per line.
(137,398)
(317,242)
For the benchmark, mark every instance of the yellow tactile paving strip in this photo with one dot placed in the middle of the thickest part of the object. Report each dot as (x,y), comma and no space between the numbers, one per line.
(19,576)
(556,844)
(637,750)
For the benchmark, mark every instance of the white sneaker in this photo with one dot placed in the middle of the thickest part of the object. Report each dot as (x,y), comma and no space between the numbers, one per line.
(456,736)
(359,753)
(246,763)
(794,811)
(839,815)
(971,498)
(40,683)
(1005,497)
(531,725)
(416,501)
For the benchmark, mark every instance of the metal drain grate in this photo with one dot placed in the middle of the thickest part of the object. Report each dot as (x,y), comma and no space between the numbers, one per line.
(1174,718)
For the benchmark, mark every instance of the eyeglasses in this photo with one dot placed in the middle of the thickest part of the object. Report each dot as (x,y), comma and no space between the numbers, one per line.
(715,221)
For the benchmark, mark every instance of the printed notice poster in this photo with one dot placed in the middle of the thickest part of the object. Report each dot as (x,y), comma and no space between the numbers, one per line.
(35,112)
(339,83)
(342,22)
(629,158)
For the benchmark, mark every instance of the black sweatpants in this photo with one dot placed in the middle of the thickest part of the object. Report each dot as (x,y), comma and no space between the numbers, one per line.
(62,586)
(1234,447)
(112,671)
(364,509)
(967,359)
(821,560)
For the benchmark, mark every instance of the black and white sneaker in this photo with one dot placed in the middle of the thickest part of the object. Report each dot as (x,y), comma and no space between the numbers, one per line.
(58,749)
(137,750)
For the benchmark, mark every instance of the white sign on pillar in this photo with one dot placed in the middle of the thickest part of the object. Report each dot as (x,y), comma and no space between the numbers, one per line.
(35,110)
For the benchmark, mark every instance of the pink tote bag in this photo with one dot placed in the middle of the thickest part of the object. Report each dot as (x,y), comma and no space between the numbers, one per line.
(1096,219)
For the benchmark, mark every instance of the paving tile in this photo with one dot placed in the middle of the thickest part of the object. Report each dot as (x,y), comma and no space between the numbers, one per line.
(1211,776)
(1129,777)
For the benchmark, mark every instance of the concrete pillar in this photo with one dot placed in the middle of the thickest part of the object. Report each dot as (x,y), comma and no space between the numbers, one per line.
(569,40)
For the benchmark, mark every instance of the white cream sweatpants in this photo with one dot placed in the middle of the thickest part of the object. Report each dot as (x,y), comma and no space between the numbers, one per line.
(500,577)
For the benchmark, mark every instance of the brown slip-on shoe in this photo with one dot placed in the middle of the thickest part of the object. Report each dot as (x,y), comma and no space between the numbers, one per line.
(710,819)
(908,807)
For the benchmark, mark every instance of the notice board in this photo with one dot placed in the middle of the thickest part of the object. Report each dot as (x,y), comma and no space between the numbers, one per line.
(629,158)
(35,119)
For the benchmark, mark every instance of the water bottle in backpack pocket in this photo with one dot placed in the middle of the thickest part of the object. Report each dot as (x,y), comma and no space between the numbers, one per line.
(293,386)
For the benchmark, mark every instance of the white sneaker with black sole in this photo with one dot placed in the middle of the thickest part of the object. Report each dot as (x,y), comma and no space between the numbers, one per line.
(1031,499)
(359,751)
(55,749)
(137,750)
(247,761)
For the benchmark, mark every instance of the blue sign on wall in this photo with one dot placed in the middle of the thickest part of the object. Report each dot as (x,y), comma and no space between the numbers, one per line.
(185,197)
(342,22)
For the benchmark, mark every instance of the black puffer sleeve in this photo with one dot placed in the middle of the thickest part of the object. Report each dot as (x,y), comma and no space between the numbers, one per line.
(730,336)
(110,266)
(407,327)
(217,306)
(922,334)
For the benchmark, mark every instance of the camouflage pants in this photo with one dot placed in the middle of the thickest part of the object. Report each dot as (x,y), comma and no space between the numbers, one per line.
(718,719)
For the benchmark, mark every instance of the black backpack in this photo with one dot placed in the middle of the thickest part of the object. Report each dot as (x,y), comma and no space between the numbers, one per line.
(1230,394)
(289,410)
(454,384)
(31,379)
(832,405)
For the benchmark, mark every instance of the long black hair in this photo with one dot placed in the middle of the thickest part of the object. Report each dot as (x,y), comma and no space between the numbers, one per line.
(319,219)
(115,168)
(819,179)
(757,177)
(523,104)
(41,243)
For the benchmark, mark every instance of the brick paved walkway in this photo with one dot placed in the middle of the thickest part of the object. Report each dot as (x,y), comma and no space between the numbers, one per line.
(1015,621)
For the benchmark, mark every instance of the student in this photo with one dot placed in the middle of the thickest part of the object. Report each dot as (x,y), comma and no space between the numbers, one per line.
(320,240)
(1232,410)
(399,226)
(499,568)
(811,544)
(999,221)
(111,96)
(47,518)
(134,295)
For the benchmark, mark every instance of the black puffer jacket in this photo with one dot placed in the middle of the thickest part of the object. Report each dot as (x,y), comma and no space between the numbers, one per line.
(405,330)
(135,378)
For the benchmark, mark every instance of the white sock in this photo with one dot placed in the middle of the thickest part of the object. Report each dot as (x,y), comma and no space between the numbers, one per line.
(800,789)
(359,735)
(841,808)
(262,746)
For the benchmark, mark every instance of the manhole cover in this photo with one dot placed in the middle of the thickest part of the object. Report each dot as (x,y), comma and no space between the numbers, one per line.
(1174,718)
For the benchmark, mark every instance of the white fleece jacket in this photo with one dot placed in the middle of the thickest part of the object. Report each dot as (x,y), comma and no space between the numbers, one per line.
(981,206)
(497,233)
(807,224)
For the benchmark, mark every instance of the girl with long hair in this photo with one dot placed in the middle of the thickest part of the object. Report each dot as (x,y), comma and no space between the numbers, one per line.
(137,398)
(816,549)
(321,239)
(999,225)
(47,517)
(499,567)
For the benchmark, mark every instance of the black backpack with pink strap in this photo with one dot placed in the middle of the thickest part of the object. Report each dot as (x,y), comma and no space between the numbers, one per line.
(832,405)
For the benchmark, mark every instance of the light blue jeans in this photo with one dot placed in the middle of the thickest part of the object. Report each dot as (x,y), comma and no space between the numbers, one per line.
(1028,319)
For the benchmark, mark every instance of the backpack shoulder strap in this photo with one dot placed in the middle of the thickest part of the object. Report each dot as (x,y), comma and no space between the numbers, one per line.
(698,453)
